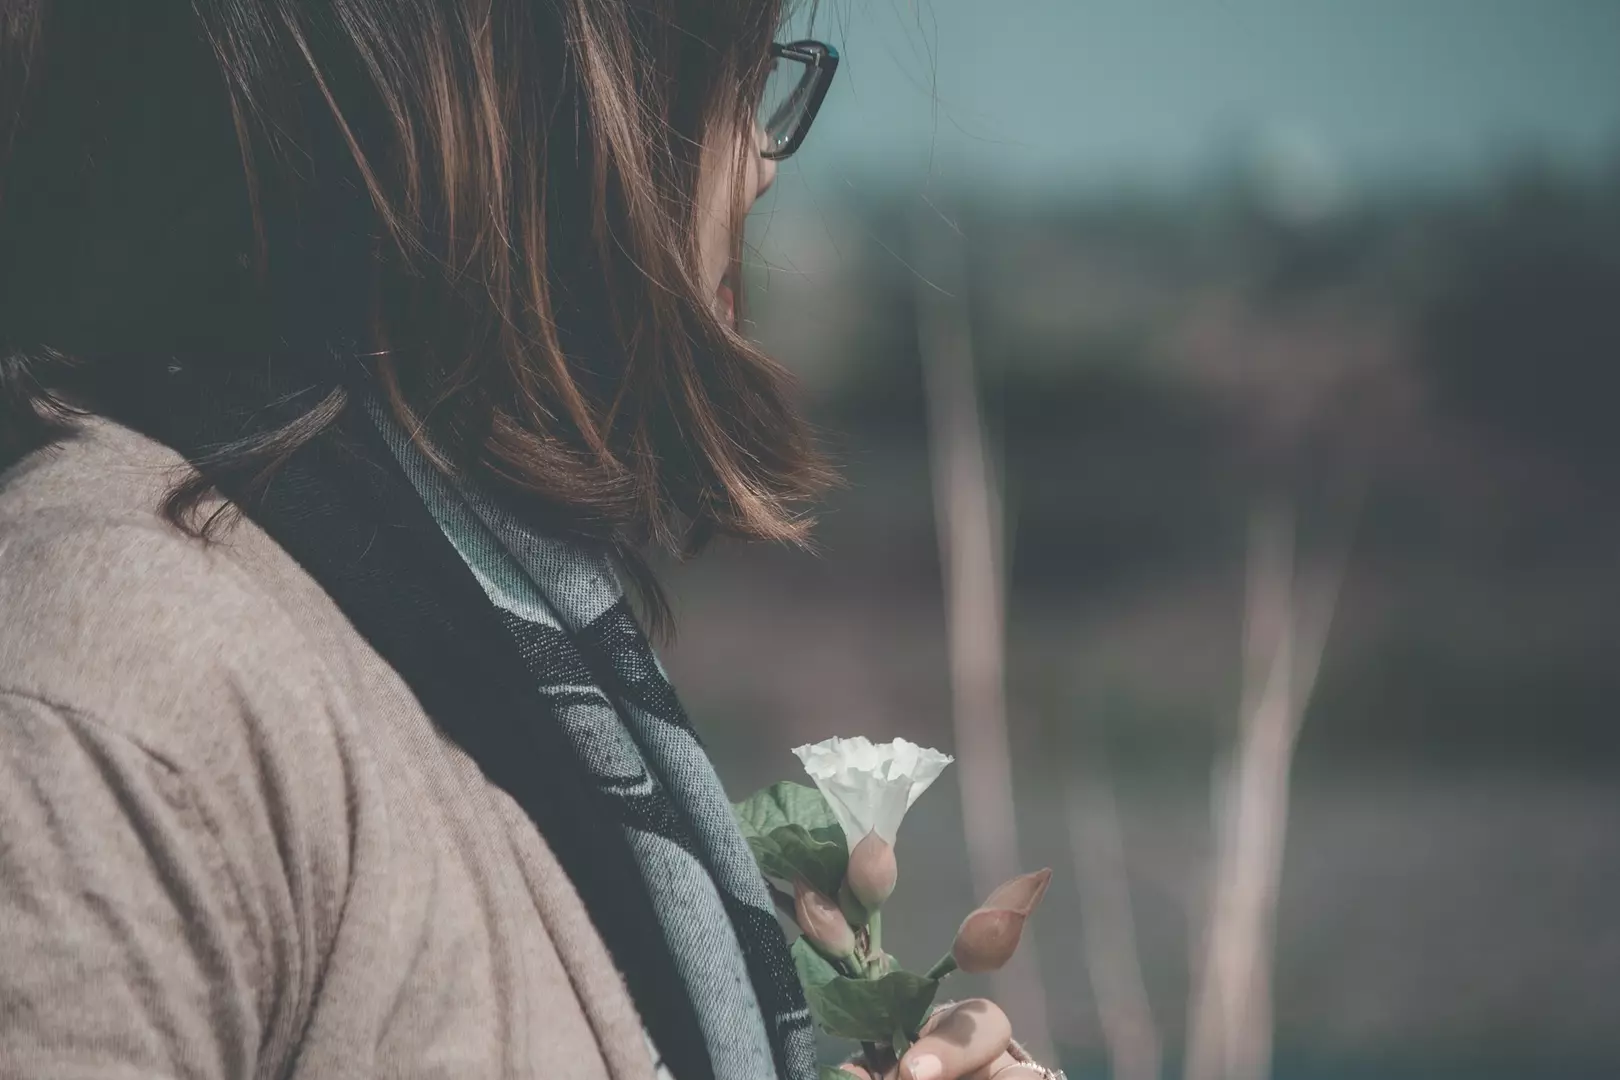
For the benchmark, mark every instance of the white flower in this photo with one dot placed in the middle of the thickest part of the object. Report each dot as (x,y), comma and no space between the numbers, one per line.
(869,788)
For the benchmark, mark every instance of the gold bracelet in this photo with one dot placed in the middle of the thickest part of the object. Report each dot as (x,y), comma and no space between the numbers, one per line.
(1021,1056)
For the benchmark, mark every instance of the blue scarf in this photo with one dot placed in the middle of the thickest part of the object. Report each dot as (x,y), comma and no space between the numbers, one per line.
(567,613)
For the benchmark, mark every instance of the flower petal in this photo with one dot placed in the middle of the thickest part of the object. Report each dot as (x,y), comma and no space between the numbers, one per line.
(923,766)
(889,802)
(851,803)
(868,786)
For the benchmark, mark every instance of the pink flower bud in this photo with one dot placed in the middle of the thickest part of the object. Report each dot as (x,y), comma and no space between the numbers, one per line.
(818,916)
(872,871)
(990,934)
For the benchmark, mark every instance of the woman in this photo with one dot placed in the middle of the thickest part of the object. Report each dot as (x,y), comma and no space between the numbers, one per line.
(350,349)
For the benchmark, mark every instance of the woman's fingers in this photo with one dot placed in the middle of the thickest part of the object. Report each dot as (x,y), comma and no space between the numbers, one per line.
(962,1042)
(1005,1067)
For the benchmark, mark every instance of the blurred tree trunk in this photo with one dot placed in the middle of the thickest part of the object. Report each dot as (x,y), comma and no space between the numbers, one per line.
(969,525)
(1286,620)
(1108,921)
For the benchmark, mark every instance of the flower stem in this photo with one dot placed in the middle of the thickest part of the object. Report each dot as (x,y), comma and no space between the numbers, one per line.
(942,967)
(879,1058)
(874,928)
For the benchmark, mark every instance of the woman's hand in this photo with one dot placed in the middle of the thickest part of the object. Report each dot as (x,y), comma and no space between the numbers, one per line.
(964,1041)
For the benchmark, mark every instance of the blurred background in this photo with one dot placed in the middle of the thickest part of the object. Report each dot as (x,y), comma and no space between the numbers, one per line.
(1226,394)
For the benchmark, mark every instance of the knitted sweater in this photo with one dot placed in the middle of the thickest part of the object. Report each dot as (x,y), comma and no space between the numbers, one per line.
(231,842)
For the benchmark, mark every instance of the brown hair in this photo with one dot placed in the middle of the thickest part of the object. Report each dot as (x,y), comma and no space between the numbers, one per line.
(493,200)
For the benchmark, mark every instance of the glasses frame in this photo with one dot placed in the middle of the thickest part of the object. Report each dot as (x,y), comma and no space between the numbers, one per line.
(821,63)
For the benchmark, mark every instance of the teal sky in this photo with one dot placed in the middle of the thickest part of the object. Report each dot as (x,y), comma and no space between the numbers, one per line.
(1086,93)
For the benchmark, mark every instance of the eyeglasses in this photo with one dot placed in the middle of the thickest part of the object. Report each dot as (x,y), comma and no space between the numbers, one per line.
(798,81)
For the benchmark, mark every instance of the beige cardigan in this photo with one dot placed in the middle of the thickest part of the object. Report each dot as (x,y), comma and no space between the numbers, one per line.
(231,842)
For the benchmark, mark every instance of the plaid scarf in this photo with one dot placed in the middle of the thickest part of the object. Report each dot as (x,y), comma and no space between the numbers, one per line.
(524,653)
(567,613)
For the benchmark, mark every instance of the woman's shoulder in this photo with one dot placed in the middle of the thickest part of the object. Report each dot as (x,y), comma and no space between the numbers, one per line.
(176,748)
(112,612)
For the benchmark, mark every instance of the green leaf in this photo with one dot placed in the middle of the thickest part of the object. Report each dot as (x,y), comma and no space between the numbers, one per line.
(793,834)
(786,804)
(870,1010)
(832,1072)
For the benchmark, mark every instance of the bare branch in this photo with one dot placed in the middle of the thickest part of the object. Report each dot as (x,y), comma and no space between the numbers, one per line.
(969,526)
(1286,626)
(1108,926)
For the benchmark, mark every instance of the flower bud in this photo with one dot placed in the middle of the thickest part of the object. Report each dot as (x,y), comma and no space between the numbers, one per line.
(872,871)
(990,934)
(818,916)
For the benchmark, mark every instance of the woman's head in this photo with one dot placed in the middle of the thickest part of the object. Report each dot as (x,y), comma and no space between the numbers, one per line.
(520,211)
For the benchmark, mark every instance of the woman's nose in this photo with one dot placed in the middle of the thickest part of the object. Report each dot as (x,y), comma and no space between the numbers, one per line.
(767,176)
(765,168)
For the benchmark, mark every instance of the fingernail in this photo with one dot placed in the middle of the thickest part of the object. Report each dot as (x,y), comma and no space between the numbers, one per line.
(926,1067)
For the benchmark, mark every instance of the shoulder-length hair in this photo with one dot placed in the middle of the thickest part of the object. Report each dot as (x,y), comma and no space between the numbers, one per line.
(494,201)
